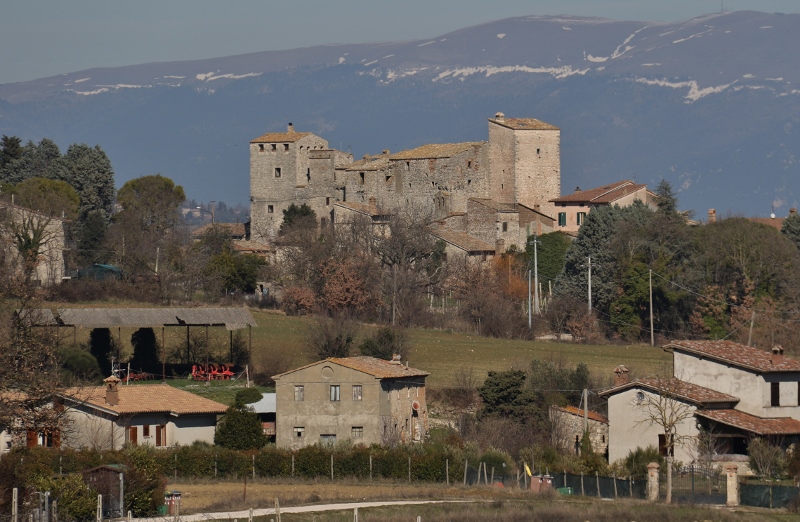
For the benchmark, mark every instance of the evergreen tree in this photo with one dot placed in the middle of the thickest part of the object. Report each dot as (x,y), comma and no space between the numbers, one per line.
(10,150)
(551,256)
(102,347)
(240,429)
(666,200)
(145,350)
(91,238)
(298,216)
(89,171)
(791,229)
(42,160)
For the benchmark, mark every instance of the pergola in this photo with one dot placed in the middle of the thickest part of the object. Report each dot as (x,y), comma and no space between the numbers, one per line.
(231,318)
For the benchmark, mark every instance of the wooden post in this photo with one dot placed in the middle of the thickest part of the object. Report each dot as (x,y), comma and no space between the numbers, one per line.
(250,518)
(293,464)
(215,465)
(583,491)
(244,497)
(187,346)
(484,474)
(466,466)
(331,466)
(254,467)
(616,495)
(250,341)
(370,467)
(597,481)
(277,509)
(447,471)
(231,344)
(175,467)
(409,468)
(492,481)
(163,358)
(630,486)
(208,368)
(15,505)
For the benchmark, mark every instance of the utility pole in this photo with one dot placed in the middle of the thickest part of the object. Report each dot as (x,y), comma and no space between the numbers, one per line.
(585,410)
(590,283)
(530,319)
(750,335)
(652,331)
(536,276)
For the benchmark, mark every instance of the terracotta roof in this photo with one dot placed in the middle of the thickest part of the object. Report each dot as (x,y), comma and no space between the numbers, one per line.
(753,424)
(736,354)
(378,368)
(601,195)
(234,229)
(500,207)
(436,150)
(576,411)
(776,223)
(281,137)
(249,246)
(677,388)
(361,208)
(524,124)
(462,240)
(370,163)
(147,398)
(535,211)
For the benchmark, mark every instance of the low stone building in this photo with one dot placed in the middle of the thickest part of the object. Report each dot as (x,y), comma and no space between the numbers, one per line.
(47,267)
(569,425)
(362,399)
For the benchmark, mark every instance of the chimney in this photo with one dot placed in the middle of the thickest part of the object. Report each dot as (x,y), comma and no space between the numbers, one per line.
(373,205)
(112,390)
(777,355)
(396,359)
(621,376)
(291,128)
(385,152)
(499,116)
(792,212)
(577,189)
(712,216)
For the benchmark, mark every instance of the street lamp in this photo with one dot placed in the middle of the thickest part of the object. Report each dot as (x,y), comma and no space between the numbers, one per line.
(535,307)
(201,209)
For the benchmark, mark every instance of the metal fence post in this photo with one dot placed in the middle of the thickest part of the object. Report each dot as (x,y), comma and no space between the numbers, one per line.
(15,505)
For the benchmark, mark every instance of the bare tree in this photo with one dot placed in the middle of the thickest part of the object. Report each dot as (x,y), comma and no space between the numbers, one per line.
(668,409)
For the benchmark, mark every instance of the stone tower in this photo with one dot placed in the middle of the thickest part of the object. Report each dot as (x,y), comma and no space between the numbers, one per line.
(525,162)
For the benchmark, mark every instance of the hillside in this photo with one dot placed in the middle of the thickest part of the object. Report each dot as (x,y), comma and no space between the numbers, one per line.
(711,104)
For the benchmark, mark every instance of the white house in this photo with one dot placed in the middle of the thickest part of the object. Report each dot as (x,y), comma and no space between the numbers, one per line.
(106,417)
(731,391)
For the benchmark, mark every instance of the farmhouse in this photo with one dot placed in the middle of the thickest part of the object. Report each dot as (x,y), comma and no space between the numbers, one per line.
(362,399)
(106,417)
(730,391)
(571,210)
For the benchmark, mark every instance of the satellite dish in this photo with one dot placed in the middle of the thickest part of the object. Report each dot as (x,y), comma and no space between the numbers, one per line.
(772,215)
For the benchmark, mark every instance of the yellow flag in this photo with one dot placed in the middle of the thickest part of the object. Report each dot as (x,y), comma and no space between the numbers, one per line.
(528,470)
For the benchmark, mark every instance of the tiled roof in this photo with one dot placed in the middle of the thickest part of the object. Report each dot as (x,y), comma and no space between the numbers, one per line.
(358,207)
(769,221)
(281,137)
(500,207)
(579,412)
(601,195)
(234,229)
(737,355)
(676,388)
(436,150)
(524,124)
(753,424)
(462,240)
(147,398)
(249,246)
(378,368)
(370,163)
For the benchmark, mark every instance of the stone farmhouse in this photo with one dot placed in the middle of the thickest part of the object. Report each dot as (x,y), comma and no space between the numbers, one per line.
(361,399)
(106,417)
(49,266)
(483,196)
(570,423)
(570,210)
(731,391)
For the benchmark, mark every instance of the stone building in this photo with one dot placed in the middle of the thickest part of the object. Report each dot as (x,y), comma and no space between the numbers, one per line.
(362,399)
(496,192)
(570,424)
(48,267)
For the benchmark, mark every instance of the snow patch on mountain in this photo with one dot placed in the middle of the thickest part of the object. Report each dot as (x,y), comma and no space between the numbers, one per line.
(489,70)
(596,59)
(501,35)
(695,92)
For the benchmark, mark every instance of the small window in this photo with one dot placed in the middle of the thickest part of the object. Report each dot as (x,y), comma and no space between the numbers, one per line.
(408,165)
(308,174)
(469,164)
(335,392)
(562,219)
(388,178)
(361,176)
(260,147)
(444,260)
(356,392)
(146,430)
(775,394)
(328,202)
(538,151)
(581,218)
(299,432)
(274,147)
(285,146)
(277,172)
(327,438)
(299,393)
(505,226)
(270,209)
(357,432)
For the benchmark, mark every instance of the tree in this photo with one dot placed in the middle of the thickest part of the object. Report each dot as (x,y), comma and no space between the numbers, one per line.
(240,429)
(89,171)
(385,343)
(49,196)
(666,199)
(332,337)
(10,150)
(102,346)
(145,350)
(552,255)
(247,396)
(666,409)
(791,228)
(504,395)
(91,239)
(42,160)
(36,238)
(765,458)
(298,217)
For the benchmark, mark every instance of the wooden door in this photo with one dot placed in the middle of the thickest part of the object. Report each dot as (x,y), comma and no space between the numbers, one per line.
(133,435)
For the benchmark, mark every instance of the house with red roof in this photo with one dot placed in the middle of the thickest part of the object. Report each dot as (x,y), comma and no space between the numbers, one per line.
(361,399)
(727,390)
(570,210)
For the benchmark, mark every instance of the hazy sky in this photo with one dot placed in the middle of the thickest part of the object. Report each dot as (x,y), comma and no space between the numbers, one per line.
(46,37)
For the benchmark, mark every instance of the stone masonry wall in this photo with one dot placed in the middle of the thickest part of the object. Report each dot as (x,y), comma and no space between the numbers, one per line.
(537,159)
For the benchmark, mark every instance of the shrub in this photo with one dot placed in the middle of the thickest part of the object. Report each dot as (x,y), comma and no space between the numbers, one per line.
(635,464)
(247,396)
(240,429)
(386,343)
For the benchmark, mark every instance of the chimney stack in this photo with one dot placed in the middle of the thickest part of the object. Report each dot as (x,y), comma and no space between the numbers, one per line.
(777,355)
(396,359)
(712,216)
(112,390)
(499,246)
(500,116)
(291,128)
(792,212)
(621,376)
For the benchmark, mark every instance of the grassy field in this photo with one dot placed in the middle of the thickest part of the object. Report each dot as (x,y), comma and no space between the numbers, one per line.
(440,352)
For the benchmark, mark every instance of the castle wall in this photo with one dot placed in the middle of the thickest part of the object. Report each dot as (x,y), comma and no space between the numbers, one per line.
(502,154)
(537,157)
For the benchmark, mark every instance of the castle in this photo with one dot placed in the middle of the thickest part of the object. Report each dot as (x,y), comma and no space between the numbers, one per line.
(482,197)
